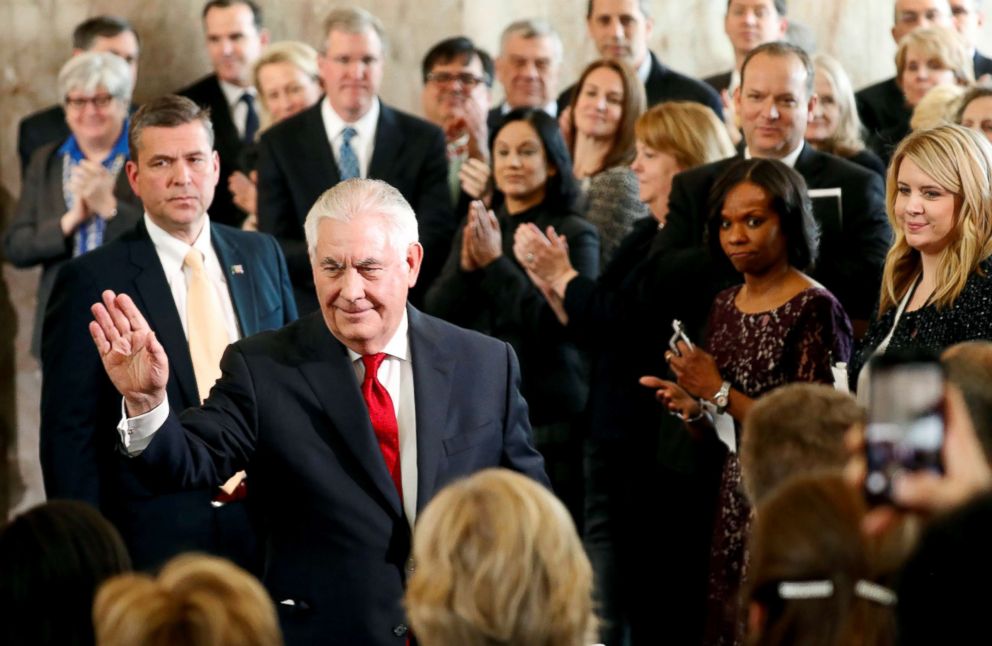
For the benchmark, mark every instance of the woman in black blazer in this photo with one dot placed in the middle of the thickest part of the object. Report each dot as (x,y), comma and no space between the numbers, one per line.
(483,287)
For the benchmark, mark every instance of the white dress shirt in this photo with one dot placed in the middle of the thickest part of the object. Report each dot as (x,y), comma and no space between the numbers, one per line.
(239,111)
(789,160)
(644,69)
(551,108)
(363,143)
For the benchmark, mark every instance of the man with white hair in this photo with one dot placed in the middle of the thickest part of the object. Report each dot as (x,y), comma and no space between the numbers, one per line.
(348,420)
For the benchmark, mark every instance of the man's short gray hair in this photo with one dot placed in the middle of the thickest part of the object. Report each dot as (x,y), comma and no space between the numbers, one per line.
(87,71)
(353,20)
(356,198)
(533,28)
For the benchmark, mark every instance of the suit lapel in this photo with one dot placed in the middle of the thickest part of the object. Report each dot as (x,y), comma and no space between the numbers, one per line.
(331,376)
(388,143)
(315,151)
(152,288)
(432,365)
(239,276)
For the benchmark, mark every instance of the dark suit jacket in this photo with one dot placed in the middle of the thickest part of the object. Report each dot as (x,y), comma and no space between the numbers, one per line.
(983,65)
(35,236)
(80,406)
(227,142)
(719,82)
(501,301)
(883,112)
(665,84)
(296,165)
(37,129)
(855,237)
(289,409)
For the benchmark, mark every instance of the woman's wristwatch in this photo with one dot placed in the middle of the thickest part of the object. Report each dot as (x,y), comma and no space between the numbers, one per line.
(722,398)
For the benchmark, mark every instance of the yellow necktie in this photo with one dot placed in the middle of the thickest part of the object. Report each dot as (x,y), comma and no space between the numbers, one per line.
(204,325)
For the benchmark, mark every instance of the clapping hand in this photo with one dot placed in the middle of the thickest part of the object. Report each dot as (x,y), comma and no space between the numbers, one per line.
(482,240)
(474,177)
(544,256)
(93,184)
(244,192)
(673,396)
(134,359)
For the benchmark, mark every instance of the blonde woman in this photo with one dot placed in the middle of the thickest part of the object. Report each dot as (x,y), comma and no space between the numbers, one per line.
(935,283)
(835,127)
(926,58)
(196,600)
(498,561)
(288,82)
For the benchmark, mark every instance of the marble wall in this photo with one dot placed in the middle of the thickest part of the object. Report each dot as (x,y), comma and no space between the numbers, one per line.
(688,35)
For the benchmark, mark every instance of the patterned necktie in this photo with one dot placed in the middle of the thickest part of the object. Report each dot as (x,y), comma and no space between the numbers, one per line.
(383,417)
(204,325)
(347,159)
(251,118)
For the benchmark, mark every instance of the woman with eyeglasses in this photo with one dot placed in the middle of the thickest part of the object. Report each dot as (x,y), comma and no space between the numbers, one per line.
(75,196)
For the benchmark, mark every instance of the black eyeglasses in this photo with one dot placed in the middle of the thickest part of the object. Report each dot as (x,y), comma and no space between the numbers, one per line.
(98,101)
(467,79)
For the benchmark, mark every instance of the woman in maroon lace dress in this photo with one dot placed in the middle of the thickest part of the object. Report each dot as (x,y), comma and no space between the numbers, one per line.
(780,326)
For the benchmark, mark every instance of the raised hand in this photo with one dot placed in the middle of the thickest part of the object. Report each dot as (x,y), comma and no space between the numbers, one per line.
(474,176)
(546,256)
(696,370)
(134,359)
(486,242)
(243,191)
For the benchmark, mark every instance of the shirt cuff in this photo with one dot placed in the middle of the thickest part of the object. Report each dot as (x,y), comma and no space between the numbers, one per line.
(137,432)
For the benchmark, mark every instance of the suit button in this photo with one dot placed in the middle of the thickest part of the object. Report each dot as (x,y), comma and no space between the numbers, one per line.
(400,630)
(410,565)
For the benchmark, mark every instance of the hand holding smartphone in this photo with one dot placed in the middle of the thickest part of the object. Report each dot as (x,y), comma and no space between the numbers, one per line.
(906,420)
(679,335)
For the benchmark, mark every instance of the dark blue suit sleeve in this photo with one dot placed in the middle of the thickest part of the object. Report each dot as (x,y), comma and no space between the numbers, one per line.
(519,453)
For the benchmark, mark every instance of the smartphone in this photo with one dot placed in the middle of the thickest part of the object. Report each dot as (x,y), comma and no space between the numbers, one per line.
(679,335)
(905,430)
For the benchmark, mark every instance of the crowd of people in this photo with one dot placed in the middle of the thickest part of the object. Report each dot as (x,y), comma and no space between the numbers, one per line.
(316,370)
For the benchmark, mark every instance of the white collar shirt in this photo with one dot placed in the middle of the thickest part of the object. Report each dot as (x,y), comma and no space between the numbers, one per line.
(237,107)
(789,160)
(172,251)
(363,143)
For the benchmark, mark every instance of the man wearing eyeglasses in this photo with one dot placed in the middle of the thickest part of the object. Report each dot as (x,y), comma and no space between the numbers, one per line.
(348,134)
(456,97)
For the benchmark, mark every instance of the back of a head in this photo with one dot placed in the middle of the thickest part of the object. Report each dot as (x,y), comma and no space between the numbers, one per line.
(795,430)
(499,562)
(940,598)
(196,600)
(52,559)
(688,131)
(813,573)
(969,367)
(939,106)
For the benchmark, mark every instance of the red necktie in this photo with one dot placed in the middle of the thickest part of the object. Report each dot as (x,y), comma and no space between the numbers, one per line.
(383,417)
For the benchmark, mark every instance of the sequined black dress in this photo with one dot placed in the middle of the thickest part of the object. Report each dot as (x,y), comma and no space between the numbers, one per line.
(969,318)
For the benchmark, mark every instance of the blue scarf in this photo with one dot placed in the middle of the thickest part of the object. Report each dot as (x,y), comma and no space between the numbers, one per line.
(89,235)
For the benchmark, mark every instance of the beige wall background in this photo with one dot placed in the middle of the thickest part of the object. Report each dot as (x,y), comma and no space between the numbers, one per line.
(688,36)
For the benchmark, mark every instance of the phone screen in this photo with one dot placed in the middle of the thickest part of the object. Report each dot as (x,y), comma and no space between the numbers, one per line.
(905,429)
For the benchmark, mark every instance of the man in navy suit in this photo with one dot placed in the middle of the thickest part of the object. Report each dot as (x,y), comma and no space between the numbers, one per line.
(235,38)
(173,169)
(348,420)
(351,133)
(621,29)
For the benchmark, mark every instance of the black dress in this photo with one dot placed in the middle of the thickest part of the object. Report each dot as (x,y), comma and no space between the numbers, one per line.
(795,342)
(969,318)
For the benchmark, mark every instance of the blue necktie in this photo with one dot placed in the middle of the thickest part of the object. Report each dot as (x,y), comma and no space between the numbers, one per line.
(347,159)
(251,118)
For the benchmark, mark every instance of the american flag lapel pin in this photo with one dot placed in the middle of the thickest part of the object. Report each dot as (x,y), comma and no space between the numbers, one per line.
(237,269)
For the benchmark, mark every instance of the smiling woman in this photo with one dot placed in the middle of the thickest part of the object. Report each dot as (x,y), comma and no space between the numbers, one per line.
(936,277)
(75,196)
